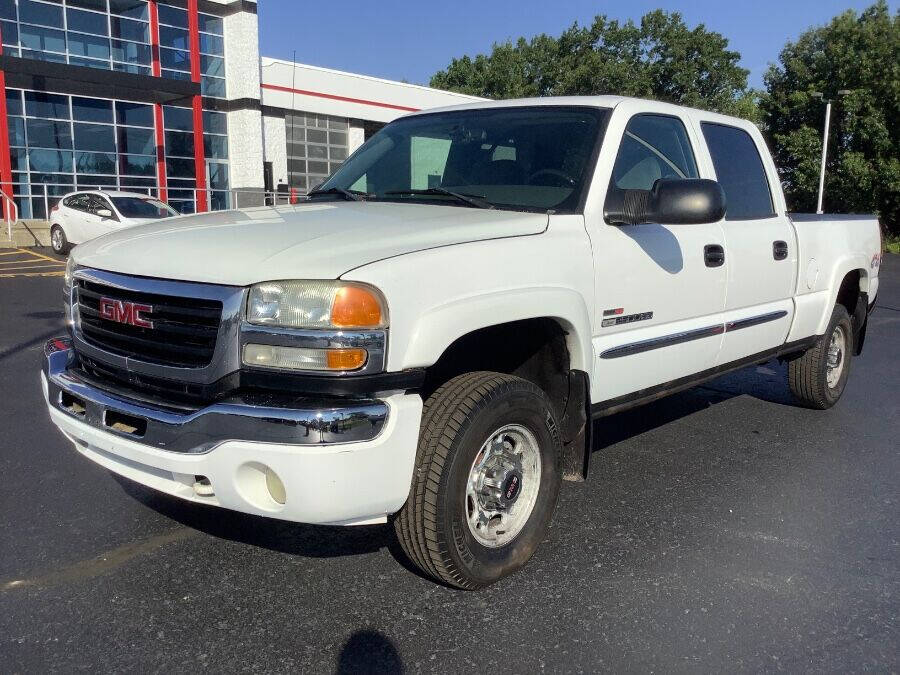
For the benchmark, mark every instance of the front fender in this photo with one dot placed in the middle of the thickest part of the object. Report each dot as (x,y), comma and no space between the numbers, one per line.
(441,325)
(437,296)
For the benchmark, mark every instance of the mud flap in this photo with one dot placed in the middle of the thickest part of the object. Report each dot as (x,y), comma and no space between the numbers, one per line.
(576,428)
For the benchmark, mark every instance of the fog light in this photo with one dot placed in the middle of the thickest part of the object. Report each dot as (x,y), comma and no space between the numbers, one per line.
(301,358)
(275,486)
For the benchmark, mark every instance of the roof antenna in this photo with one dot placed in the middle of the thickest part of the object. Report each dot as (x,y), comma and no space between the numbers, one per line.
(293,114)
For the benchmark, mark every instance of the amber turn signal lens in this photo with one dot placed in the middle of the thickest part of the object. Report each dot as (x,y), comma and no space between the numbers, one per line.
(345,359)
(356,307)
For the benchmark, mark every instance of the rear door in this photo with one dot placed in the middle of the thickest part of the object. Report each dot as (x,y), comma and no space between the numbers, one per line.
(659,300)
(760,249)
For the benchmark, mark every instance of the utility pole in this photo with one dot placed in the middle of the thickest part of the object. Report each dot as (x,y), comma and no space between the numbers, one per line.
(818,94)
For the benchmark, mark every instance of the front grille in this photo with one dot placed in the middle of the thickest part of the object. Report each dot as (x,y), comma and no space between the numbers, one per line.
(183,334)
(155,391)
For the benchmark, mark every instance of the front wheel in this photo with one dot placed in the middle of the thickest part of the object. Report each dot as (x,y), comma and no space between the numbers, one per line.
(819,376)
(486,481)
(58,240)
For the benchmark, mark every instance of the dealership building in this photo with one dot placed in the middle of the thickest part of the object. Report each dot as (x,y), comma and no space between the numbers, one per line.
(172,98)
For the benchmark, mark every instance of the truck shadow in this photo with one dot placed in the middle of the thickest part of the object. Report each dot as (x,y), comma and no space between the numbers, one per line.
(768,382)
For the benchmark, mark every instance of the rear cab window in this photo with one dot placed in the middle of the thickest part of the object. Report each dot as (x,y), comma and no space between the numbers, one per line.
(740,172)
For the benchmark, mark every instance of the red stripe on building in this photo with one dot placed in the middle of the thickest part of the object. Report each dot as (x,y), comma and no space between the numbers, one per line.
(160,151)
(5,164)
(158,127)
(335,97)
(154,39)
(199,158)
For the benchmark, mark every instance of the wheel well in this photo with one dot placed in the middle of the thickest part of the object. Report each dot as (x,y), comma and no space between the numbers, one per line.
(535,350)
(851,296)
(848,294)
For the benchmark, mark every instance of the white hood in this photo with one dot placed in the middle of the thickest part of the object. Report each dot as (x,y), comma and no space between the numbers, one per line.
(306,241)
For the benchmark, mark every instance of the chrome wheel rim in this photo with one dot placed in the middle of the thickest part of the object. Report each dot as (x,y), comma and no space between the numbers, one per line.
(835,359)
(56,240)
(503,485)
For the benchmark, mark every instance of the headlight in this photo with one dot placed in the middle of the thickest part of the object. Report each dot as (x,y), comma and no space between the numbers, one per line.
(70,270)
(316,304)
(67,292)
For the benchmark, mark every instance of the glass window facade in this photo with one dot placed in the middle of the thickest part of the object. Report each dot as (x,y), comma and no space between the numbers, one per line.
(180,167)
(113,34)
(108,34)
(59,143)
(316,147)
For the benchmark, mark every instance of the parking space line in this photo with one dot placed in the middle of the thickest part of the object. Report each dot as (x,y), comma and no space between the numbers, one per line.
(101,564)
(45,257)
(32,274)
(24,264)
(29,264)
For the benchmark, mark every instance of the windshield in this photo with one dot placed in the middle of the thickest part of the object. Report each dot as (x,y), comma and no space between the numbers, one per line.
(142,207)
(528,158)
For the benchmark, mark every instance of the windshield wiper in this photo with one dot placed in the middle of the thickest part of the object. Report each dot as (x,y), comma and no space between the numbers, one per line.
(349,195)
(474,200)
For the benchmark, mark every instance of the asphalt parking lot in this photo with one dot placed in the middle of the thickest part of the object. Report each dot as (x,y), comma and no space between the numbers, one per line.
(723,529)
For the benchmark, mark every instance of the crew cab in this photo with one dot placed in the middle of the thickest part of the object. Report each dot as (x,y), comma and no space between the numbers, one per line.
(426,339)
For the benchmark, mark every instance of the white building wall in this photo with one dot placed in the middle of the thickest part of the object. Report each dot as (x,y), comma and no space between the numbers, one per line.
(242,55)
(245,134)
(275,135)
(333,92)
(245,148)
(355,137)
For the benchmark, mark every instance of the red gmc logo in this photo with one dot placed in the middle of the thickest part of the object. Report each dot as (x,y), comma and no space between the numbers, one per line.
(129,313)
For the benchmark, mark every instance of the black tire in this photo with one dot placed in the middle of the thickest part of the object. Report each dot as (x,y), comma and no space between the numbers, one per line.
(808,374)
(457,421)
(58,241)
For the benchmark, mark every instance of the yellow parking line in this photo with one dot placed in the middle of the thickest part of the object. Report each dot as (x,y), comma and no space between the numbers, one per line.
(32,274)
(32,259)
(18,251)
(45,257)
(30,265)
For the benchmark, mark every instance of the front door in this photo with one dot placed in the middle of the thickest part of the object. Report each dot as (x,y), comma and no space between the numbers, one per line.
(95,225)
(660,288)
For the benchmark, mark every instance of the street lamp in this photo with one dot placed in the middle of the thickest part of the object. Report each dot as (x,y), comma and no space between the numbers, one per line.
(819,94)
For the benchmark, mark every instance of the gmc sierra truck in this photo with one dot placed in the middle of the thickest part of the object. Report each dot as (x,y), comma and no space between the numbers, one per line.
(426,339)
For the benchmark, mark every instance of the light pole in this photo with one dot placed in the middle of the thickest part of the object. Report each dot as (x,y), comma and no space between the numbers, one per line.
(818,94)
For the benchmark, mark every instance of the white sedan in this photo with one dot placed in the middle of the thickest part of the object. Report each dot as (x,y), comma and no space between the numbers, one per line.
(84,215)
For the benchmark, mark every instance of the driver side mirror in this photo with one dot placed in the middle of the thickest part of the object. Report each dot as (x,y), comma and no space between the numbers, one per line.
(671,201)
(104,213)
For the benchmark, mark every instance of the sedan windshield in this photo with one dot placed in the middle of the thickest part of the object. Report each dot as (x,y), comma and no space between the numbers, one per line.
(142,207)
(522,158)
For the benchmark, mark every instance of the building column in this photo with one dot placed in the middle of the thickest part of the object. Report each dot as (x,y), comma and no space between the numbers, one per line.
(197,104)
(157,107)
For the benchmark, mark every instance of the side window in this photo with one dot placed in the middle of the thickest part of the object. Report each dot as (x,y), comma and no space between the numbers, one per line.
(78,202)
(653,147)
(96,203)
(739,171)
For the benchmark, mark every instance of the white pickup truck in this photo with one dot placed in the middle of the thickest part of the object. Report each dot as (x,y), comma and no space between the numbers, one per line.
(426,340)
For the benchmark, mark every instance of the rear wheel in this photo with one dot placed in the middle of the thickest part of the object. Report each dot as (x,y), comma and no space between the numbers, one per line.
(58,240)
(486,482)
(818,377)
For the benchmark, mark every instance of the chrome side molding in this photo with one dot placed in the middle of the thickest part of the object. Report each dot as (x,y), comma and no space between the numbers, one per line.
(689,335)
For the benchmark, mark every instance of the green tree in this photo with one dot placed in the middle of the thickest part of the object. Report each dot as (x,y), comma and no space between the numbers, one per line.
(859,52)
(661,59)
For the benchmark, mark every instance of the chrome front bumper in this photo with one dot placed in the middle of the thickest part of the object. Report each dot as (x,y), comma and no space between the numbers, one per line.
(289,420)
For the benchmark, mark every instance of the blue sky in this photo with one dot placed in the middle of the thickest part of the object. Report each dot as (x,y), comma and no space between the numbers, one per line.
(401,39)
